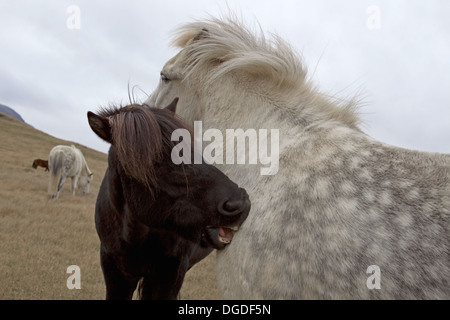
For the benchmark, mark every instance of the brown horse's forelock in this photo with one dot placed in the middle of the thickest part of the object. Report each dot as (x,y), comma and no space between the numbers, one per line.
(142,138)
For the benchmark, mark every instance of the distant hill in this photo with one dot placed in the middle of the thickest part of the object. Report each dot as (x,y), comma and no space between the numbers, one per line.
(10,112)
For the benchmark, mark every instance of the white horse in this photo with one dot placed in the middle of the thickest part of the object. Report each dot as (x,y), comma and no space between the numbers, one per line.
(68,162)
(345,216)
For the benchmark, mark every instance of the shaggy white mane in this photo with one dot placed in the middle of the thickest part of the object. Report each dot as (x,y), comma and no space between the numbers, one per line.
(217,47)
(236,47)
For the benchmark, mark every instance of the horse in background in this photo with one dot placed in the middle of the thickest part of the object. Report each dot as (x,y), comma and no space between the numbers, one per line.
(40,163)
(156,219)
(68,162)
(343,210)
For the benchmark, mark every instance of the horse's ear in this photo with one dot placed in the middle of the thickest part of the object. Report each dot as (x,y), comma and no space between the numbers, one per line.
(203,34)
(173,105)
(100,125)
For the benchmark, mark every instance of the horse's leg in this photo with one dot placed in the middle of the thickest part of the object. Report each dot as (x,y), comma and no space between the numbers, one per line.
(118,286)
(74,184)
(61,182)
(165,280)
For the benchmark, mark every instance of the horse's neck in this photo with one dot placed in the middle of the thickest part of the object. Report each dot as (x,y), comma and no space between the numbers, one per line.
(289,121)
(258,106)
(297,124)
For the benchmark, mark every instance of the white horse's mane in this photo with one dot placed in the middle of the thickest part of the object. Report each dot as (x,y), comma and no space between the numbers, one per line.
(239,48)
(216,47)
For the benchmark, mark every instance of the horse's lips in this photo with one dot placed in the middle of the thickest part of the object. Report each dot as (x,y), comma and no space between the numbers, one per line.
(225,235)
(219,237)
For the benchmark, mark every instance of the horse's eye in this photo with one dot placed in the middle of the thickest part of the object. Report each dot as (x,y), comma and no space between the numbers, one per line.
(164,78)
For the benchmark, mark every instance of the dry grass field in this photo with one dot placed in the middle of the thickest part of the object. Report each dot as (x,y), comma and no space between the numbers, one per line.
(40,238)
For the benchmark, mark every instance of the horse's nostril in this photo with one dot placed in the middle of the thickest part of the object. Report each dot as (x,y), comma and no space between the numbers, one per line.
(232,207)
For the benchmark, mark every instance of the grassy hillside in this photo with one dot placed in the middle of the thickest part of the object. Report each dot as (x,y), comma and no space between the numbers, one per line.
(40,238)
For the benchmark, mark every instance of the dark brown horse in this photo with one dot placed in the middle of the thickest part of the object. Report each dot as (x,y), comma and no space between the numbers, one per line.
(156,219)
(40,163)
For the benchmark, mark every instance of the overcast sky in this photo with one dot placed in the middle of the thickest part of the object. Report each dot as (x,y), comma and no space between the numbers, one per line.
(60,59)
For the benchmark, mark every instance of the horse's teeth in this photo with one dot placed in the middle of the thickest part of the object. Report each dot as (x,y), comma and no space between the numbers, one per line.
(224,240)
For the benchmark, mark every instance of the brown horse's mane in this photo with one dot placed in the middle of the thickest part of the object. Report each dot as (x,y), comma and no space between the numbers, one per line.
(141,136)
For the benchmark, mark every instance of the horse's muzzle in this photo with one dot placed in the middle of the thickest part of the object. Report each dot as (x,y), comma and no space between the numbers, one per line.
(233,213)
(234,207)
